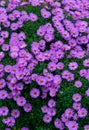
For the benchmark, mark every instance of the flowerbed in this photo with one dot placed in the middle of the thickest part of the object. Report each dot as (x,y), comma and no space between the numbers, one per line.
(44,65)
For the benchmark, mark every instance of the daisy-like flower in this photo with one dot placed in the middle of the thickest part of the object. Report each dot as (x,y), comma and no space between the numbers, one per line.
(73,65)
(47,118)
(51,112)
(82,113)
(33,17)
(19,86)
(45,14)
(58,123)
(49,77)
(27,107)
(86,62)
(51,103)
(76,105)
(76,97)
(57,79)
(72,125)
(41,80)
(10,121)
(4,111)
(21,101)
(3,94)
(60,66)
(5,47)
(2,83)
(44,109)
(69,112)
(78,84)
(52,66)
(5,34)
(83,72)
(48,37)
(34,93)
(52,92)
(15,113)
(64,117)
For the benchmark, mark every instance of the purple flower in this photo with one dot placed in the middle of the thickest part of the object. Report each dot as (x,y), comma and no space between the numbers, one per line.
(44,109)
(2,55)
(5,47)
(5,34)
(75,117)
(41,31)
(10,121)
(78,84)
(47,118)
(87,92)
(1,41)
(19,75)
(64,118)
(15,113)
(33,17)
(21,36)
(40,57)
(52,66)
(49,77)
(19,86)
(76,105)
(1,67)
(69,112)
(35,93)
(7,129)
(51,112)
(82,113)
(44,95)
(76,97)
(60,65)
(73,65)
(86,63)
(3,94)
(58,124)
(27,107)
(83,72)
(41,80)
(86,127)
(57,79)
(72,42)
(52,92)
(72,125)
(4,111)
(14,26)
(48,37)
(2,83)
(21,101)
(50,30)
(45,14)
(24,128)
(51,103)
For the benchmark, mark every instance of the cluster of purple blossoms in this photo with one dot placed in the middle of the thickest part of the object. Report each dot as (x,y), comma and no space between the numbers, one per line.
(46,31)
(49,111)
(75,32)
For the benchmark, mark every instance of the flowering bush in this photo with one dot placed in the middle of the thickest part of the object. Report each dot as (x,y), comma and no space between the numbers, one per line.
(44,65)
